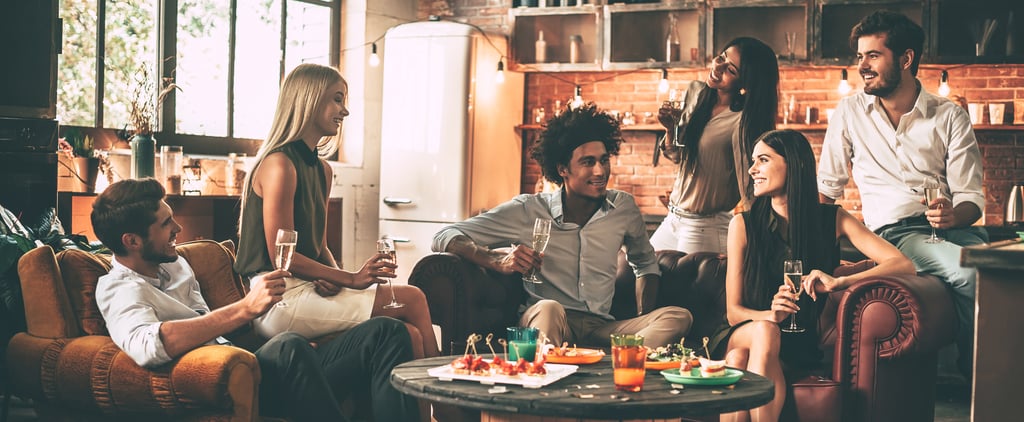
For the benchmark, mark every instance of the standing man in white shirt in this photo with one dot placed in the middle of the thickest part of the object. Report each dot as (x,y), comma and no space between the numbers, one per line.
(896,135)
(155,313)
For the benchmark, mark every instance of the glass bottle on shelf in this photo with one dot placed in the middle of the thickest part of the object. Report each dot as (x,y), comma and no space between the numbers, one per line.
(672,44)
(574,48)
(541,49)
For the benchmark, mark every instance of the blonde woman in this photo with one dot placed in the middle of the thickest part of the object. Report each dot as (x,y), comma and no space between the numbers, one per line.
(288,189)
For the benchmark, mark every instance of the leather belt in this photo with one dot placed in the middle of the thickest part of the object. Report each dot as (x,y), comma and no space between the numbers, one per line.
(917,220)
(679,212)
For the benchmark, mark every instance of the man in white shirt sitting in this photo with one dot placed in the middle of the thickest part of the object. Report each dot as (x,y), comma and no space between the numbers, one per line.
(897,136)
(154,311)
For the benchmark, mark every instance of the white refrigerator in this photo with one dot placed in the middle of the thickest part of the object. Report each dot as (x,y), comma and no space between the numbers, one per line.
(449,148)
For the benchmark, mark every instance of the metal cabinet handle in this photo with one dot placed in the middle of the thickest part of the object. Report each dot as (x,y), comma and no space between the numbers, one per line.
(399,239)
(396,201)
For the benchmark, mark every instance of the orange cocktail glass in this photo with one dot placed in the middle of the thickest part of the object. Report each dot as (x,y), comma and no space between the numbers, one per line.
(628,361)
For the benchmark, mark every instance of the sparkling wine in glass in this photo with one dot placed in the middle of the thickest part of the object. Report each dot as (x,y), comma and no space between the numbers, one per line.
(794,271)
(285,250)
(932,191)
(541,235)
(675,102)
(387,247)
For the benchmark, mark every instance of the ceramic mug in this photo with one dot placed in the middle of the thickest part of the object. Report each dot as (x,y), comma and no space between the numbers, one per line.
(995,113)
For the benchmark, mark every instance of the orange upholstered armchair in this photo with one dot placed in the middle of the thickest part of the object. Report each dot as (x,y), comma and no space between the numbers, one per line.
(68,365)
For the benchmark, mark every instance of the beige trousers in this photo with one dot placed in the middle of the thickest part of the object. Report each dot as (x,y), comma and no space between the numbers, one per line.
(659,327)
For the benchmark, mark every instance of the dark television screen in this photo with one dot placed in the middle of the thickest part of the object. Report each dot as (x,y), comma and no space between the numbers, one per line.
(28,47)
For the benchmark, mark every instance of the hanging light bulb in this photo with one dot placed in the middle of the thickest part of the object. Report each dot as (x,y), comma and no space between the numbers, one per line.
(663,84)
(374,58)
(844,85)
(500,76)
(577,99)
(944,84)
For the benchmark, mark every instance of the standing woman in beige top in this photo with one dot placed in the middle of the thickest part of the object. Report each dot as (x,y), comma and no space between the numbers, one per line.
(717,126)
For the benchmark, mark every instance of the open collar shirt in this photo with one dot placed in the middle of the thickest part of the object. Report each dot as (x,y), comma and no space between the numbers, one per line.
(580,262)
(890,164)
(133,307)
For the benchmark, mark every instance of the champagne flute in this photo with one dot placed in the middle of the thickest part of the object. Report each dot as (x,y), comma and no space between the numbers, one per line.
(675,102)
(285,244)
(541,234)
(387,247)
(932,191)
(794,271)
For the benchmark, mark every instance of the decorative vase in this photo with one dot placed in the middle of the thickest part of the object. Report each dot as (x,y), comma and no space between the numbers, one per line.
(143,153)
(87,169)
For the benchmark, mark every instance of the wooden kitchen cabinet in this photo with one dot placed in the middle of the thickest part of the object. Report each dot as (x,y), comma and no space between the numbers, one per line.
(632,36)
(201,217)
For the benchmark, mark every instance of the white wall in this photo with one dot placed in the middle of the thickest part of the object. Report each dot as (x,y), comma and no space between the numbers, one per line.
(357,180)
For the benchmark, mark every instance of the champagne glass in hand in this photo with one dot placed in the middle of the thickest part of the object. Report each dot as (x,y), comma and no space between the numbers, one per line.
(541,234)
(932,191)
(794,271)
(285,250)
(387,247)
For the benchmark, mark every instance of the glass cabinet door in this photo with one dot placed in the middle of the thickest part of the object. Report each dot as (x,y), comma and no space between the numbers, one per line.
(556,38)
(782,24)
(654,35)
(835,19)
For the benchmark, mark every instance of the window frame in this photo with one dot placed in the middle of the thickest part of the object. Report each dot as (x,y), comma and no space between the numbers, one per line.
(167,39)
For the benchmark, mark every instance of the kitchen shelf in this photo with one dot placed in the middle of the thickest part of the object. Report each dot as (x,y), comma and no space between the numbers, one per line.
(636,35)
(834,19)
(766,20)
(558,24)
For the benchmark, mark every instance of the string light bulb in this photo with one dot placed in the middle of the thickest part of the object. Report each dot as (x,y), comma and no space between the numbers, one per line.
(844,85)
(374,58)
(944,84)
(663,84)
(500,76)
(577,99)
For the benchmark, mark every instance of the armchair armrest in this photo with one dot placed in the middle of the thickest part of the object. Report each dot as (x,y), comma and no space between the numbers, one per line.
(464,298)
(92,375)
(889,330)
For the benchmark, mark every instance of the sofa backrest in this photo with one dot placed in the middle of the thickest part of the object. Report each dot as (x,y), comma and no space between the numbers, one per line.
(697,282)
(80,271)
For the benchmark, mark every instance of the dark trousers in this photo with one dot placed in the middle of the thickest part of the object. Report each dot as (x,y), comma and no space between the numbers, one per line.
(306,384)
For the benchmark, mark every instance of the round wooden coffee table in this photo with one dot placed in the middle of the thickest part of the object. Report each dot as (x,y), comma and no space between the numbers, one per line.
(589,393)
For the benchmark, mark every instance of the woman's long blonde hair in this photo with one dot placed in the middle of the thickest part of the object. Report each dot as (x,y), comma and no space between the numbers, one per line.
(297,103)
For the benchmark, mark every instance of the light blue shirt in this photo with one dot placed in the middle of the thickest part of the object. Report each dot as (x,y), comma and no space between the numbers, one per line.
(134,306)
(580,262)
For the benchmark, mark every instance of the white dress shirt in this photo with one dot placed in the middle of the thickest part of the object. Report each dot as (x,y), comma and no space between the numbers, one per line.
(580,262)
(134,306)
(935,138)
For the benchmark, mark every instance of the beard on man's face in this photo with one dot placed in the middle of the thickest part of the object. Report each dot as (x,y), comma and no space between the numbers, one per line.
(885,82)
(151,254)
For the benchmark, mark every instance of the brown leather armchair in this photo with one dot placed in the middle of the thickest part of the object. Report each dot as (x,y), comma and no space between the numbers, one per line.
(68,365)
(881,335)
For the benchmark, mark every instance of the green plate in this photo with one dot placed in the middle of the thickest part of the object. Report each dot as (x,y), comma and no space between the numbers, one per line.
(731,376)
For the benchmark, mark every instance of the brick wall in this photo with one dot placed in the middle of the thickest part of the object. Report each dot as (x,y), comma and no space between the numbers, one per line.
(1002,147)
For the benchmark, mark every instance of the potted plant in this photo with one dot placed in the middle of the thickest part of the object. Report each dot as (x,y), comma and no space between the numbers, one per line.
(141,111)
(78,147)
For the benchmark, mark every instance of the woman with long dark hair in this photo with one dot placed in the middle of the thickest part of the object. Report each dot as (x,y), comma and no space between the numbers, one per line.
(710,139)
(786,222)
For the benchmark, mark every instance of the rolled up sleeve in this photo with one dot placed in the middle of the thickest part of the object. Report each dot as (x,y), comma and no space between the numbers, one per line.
(963,163)
(833,166)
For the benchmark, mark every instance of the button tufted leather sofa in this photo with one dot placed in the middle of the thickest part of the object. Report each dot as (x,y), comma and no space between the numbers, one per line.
(881,336)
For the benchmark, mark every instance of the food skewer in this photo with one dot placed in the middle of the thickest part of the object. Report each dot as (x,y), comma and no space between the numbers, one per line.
(504,347)
(490,336)
(706,353)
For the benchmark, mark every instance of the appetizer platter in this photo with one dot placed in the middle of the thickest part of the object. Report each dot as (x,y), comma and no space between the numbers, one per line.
(728,376)
(498,370)
(671,356)
(573,355)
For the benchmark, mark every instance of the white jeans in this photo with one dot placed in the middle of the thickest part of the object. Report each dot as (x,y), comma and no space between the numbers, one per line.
(706,234)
